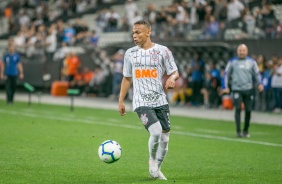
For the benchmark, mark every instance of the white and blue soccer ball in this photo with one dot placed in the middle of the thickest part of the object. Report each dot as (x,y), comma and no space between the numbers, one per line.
(109,151)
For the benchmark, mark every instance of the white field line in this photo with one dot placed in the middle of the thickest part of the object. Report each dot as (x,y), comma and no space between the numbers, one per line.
(210,131)
(227,139)
(224,132)
(77,120)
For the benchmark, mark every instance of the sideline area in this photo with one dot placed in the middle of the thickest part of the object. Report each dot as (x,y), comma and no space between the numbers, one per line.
(105,103)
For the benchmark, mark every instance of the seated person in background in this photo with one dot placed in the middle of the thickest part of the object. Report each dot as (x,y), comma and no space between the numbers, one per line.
(94,38)
(81,79)
(95,86)
(211,30)
(178,95)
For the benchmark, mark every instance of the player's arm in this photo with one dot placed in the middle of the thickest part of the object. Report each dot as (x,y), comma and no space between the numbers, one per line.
(171,69)
(170,82)
(227,74)
(257,76)
(125,85)
(2,67)
(20,68)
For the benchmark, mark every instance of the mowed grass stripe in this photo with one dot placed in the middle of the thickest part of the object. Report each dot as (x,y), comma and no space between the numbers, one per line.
(109,123)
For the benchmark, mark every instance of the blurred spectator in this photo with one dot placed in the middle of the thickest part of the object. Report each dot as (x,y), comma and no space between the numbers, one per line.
(24,19)
(112,18)
(124,25)
(77,26)
(276,84)
(94,38)
(161,22)
(20,42)
(220,12)
(60,31)
(81,37)
(62,52)
(261,61)
(234,10)
(71,66)
(96,86)
(131,9)
(266,96)
(117,59)
(198,67)
(51,44)
(249,23)
(81,6)
(213,86)
(69,34)
(266,19)
(136,17)
(101,19)
(201,11)
(81,79)
(212,29)
(279,31)
(177,96)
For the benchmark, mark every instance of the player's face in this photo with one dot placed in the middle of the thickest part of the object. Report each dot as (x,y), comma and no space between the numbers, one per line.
(242,51)
(12,49)
(140,34)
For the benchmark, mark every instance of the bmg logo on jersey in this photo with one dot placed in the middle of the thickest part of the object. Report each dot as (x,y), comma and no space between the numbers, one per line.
(146,73)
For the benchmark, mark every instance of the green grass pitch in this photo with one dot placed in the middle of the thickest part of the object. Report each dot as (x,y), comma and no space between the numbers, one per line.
(49,144)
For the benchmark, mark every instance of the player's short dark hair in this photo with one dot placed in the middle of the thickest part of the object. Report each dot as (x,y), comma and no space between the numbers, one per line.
(143,22)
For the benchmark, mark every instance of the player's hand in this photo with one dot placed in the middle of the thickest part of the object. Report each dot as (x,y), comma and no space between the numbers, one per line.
(2,77)
(170,83)
(226,91)
(121,108)
(260,88)
(21,76)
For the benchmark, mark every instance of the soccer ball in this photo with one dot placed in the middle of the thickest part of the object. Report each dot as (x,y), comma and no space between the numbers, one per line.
(109,151)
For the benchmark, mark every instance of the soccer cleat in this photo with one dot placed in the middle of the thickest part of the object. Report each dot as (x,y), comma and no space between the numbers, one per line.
(239,134)
(247,135)
(153,168)
(161,176)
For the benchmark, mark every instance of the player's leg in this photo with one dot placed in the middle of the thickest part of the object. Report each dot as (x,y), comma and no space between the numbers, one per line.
(8,85)
(248,103)
(237,99)
(152,124)
(163,116)
(13,87)
(153,144)
(162,152)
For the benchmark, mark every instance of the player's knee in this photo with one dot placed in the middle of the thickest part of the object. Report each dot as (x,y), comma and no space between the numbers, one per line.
(165,137)
(164,140)
(155,129)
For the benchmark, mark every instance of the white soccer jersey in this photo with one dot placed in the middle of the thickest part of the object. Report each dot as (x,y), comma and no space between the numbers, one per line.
(146,67)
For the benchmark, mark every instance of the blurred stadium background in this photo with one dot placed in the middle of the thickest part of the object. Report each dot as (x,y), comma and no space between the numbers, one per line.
(97,32)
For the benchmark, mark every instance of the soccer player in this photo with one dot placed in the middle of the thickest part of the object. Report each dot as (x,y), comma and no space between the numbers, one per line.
(145,65)
(244,73)
(12,68)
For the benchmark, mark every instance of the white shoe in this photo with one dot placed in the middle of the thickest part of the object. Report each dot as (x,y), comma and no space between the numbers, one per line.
(153,168)
(161,176)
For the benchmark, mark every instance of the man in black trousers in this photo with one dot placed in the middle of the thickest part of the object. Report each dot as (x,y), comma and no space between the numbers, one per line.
(12,69)
(244,73)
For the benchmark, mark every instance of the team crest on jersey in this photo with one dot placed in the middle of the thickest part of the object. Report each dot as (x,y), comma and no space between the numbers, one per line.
(155,55)
(144,119)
